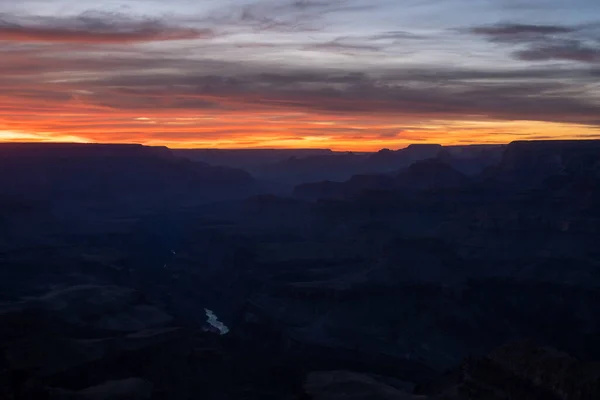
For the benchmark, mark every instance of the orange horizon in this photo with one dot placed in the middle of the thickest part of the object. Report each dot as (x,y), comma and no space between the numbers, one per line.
(341,135)
(367,142)
(333,149)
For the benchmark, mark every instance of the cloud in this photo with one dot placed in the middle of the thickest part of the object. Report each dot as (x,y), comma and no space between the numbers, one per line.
(144,85)
(566,51)
(94,29)
(338,46)
(390,134)
(356,44)
(521,33)
(547,42)
(309,4)
(291,78)
(395,35)
(506,30)
(282,15)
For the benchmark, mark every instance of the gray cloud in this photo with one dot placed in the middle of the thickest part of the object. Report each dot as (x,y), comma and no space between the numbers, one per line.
(340,46)
(571,50)
(547,42)
(395,35)
(505,30)
(411,93)
(94,28)
(281,15)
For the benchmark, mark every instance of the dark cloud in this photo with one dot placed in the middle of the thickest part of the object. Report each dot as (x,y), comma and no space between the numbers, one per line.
(334,92)
(566,51)
(522,33)
(339,46)
(390,134)
(547,42)
(503,30)
(529,74)
(395,35)
(309,4)
(282,15)
(312,77)
(144,83)
(94,29)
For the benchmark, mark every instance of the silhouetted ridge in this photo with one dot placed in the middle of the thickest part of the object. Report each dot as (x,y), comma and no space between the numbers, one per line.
(393,160)
(430,174)
(246,158)
(281,170)
(56,150)
(84,174)
(529,163)
(473,159)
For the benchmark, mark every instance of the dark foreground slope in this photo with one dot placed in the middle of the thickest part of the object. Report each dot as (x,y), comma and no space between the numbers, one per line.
(444,286)
(104,342)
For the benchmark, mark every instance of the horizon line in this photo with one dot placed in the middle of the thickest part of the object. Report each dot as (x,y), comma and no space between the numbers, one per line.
(52,143)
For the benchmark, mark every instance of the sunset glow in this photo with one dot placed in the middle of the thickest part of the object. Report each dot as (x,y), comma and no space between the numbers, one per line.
(346,75)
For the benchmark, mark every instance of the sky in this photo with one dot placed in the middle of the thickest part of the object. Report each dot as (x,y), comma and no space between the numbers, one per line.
(341,74)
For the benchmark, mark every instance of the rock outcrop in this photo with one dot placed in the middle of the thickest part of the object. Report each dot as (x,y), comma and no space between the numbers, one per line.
(126,389)
(103,308)
(346,385)
(527,164)
(520,371)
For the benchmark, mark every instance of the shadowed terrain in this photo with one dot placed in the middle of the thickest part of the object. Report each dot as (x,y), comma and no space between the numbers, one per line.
(424,273)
